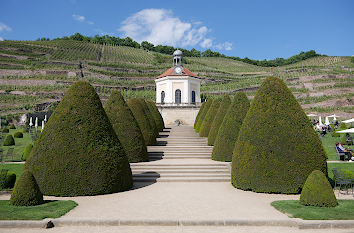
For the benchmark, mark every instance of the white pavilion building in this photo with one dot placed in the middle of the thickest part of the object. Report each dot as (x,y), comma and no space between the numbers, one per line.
(177,85)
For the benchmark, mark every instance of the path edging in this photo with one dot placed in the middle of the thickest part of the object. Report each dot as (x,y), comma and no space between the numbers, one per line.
(299,223)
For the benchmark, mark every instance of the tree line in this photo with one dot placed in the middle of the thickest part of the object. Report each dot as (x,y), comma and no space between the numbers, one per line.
(165,49)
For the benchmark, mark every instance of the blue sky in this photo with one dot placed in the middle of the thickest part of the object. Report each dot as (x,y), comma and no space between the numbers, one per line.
(256,29)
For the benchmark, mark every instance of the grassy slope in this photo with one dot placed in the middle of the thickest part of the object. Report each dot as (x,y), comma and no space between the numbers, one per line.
(119,66)
(50,209)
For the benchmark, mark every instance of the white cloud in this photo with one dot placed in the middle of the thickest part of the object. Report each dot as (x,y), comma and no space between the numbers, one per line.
(1,39)
(4,27)
(160,26)
(79,18)
(224,46)
(207,43)
(90,22)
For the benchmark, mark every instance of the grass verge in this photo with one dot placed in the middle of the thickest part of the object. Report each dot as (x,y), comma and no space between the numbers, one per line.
(50,209)
(293,208)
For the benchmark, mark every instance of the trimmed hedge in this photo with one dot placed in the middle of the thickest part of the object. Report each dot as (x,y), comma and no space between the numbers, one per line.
(156,115)
(10,180)
(9,141)
(228,132)
(126,128)
(149,116)
(26,152)
(317,191)
(5,130)
(277,147)
(202,115)
(78,153)
(142,118)
(199,113)
(219,117)
(26,191)
(12,126)
(18,135)
(208,119)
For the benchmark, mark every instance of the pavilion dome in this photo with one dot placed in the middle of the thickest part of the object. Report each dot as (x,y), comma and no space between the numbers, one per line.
(177,53)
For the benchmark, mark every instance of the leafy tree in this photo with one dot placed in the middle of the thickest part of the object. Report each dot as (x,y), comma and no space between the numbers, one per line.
(147,45)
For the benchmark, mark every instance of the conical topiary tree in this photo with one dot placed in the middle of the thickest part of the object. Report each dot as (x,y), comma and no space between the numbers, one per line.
(277,147)
(209,117)
(317,191)
(78,153)
(219,117)
(150,117)
(228,132)
(126,128)
(142,118)
(26,191)
(199,113)
(156,115)
(202,115)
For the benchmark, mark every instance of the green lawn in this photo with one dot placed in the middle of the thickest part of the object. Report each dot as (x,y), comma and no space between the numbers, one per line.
(329,143)
(293,208)
(15,168)
(345,166)
(20,144)
(50,209)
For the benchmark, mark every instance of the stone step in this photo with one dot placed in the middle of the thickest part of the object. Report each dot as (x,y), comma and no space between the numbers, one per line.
(156,174)
(174,171)
(181,165)
(181,179)
(154,158)
(160,153)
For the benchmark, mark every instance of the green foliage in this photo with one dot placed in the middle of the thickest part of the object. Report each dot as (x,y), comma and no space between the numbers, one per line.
(209,118)
(230,127)
(199,113)
(78,152)
(203,113)
(126,128)
(10,180)
(26,152)
(12,126)
(219,117)
(277,147)
(317,191)
(156,115)
(342,126)
(9,141)
(18,135)
(142,118)
(5,130)
(26,191)
(150,117)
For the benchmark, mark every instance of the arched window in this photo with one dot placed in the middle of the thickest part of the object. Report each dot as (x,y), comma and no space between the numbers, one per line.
(178,99)
(193,97)
(162,97)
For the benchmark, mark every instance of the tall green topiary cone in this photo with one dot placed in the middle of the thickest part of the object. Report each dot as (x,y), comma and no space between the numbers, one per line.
(142,118)
(317,191)
(219,117)
(78,153)
(126,128)
(150,117)
(209,117)
(228,132)
(26,191)
(156,115)
(199,113)
(202,115)
(277,147)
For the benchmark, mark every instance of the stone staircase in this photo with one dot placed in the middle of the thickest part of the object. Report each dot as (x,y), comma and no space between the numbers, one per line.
(180,156)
